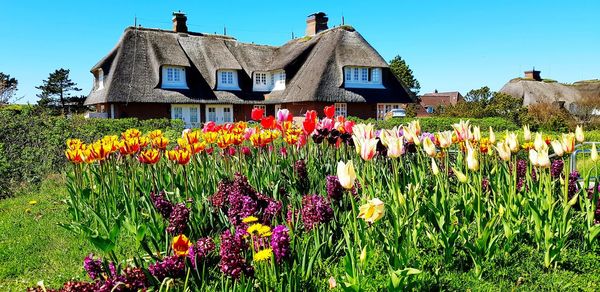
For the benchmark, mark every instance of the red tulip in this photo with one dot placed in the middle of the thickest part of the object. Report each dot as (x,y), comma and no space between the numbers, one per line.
(268,122)
(257,113)
(311,115)
(329,111)
(309,126)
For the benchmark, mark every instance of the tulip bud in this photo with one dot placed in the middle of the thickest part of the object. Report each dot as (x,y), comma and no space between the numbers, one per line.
(434,167)
(429,147)
(503,151)
(472,161)
(526,133)
(594,153)
(346,174)
(363,255)
(476,133)
(557,148)
(492,136)
(459,175)
(579,134)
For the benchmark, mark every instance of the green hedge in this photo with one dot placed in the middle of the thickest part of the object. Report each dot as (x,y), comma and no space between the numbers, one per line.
(434,124)
(34,142)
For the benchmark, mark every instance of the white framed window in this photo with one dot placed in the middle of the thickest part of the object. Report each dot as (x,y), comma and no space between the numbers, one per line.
(173,77)
(227,80)
(99,79)
(362,77)
(269,81)
(341,109)
(394,109)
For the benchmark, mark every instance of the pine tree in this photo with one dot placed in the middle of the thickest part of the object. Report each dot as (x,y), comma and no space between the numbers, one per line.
(405,74)
(56,90)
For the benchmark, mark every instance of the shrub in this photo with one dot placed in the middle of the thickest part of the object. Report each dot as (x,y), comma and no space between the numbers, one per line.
(34,142)
(549,117)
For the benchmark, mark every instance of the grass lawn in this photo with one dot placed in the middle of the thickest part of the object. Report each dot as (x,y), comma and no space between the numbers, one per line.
(32,246)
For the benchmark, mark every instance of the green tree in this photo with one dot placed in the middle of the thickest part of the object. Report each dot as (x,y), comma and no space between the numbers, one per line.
(56,90)
(8,87)
(403,72)
(505,105)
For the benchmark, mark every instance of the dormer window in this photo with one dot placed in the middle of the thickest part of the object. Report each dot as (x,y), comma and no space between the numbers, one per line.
(227,80)
(269,81)
(362,77)
(174,77)
(99,79)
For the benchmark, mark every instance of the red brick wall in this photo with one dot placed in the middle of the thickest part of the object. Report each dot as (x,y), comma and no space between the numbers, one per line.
(142,110)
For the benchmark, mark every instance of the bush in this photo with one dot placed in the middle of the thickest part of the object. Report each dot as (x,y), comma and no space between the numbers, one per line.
(434,124)
(34,142)
(549,117)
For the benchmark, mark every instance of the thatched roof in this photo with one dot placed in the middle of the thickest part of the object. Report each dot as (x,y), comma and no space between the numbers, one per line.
(313,66)
(538,91)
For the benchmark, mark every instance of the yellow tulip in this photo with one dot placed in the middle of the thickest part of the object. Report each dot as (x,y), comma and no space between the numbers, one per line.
(539,142)
(429,147)
(459,175)
(445,139)
(579,134)
(472,160)
(503,151)
(372,211)
(395,147)
(568,143)
(346,174)
(594,153)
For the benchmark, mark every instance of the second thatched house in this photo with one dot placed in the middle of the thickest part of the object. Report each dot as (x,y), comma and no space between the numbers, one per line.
(196,77)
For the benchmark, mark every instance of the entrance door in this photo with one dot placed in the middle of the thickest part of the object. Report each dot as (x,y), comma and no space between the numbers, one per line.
(188,113)
(219,113)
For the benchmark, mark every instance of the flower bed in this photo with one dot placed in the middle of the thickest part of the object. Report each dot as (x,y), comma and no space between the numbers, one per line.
(280,206)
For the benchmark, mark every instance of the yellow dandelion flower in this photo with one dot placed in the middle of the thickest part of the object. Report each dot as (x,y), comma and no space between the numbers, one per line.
(254,228)
(32,202)
(263,255)
(265,231)
(250,219)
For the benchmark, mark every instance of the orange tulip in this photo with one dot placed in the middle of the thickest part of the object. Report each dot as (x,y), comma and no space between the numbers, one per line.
(131,133)
(155,134)
(100,150)
(181,156)
(160,143)
(129,146)
(149,156)
(75,155)
(181,245)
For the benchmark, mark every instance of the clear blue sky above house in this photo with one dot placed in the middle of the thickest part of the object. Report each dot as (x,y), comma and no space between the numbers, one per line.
(450,45)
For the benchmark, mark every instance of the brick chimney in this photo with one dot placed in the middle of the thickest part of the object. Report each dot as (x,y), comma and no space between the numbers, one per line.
(179,22)
(533,74)
(316,23)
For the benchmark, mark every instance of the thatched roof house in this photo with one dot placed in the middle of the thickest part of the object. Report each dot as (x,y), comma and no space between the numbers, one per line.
(534,89)
(199,77)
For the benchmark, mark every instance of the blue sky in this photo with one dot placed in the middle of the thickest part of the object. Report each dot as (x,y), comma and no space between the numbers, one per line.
(450,45)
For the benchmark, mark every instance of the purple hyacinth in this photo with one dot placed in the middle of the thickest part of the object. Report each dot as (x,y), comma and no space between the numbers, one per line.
(334,188)
(521,167)
(557,168)
(315,210)
(93,267)
(573,186)
(178,220)
(220,197)
(134,279)
(273,209)
(233,264)
(172,267)
(280,243)
(161,204)
(200,250)
(303,182)
(485,184)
